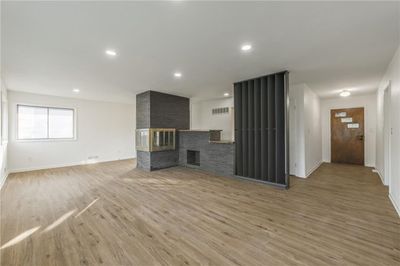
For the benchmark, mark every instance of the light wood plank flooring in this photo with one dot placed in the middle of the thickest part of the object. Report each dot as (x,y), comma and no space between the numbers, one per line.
(114,214)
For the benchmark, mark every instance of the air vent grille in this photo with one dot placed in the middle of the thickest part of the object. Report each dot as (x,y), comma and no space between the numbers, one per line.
(220,110)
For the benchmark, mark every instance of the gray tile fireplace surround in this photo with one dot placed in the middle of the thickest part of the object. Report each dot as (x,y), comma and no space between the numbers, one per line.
(214,156)
(206,151)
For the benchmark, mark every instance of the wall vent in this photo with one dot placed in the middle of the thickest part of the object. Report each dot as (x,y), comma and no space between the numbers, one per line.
(220,110)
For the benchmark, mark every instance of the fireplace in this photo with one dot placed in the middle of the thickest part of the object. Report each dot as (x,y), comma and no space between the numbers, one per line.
(155,139)
(193,157)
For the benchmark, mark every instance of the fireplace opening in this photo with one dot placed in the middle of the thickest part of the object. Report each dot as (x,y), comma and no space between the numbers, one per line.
(193,157)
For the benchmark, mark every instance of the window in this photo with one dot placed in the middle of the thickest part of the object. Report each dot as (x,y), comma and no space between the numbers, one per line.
(37,122)
(155,139)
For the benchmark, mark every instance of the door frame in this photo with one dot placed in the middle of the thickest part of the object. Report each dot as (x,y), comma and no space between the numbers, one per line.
(293,124)
(387,134)
(366,126)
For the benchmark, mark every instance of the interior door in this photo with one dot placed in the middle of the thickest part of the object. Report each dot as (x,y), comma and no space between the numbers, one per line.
(347,136)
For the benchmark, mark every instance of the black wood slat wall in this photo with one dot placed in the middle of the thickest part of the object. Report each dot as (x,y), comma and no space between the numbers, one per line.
(261,128)
(245,148)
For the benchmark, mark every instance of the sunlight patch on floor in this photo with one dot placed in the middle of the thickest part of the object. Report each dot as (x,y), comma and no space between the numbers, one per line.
(59,221)
(87,207)
(20,237)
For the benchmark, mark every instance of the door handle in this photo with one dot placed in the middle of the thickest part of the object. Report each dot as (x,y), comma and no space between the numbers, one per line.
(360,137)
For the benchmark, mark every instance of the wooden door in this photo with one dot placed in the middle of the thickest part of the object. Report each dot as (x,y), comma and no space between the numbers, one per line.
(347,136)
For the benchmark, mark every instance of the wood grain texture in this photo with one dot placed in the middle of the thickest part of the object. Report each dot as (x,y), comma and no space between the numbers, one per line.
(340,215)
(347,144)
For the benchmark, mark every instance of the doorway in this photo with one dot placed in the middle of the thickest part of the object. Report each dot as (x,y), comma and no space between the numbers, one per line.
(347,136)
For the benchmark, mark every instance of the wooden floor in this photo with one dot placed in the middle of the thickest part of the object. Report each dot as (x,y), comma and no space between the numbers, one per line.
(113,214)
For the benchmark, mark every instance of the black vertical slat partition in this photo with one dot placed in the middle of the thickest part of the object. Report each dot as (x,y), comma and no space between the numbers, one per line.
(257,130)
(261,128)
(245,146)
(250,126)
(280,129)
(271,129)
(238,133)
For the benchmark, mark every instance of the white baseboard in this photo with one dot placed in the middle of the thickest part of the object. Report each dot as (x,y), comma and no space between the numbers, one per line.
(314,168)
(27,169)
(311,171)
(4,179)
(380,176)
(397,208)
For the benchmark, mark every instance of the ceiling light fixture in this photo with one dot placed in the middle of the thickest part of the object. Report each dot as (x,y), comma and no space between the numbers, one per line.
(226,94)
(76,90)
(111,52)
(246,47)
(345,93)
(177,74)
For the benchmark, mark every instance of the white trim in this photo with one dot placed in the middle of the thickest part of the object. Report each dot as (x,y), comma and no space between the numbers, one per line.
(74,138)
(311,171)
(386,133)
(314,168)
(4,179)
(46,140)
(380,176)
(397,208)
(28,169)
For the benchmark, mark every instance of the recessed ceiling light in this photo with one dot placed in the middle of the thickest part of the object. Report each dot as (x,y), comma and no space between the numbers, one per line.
(246,47)
(226,94)
(76,90)
(345,93)
(111,52)
(177,74)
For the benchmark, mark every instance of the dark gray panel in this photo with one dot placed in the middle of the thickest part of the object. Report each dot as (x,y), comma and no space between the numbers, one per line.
(143,110)
(264,129)
(238,129)
(245,149)
(280,128)
(250,127)
(271,129)
(169,111)
(257,129)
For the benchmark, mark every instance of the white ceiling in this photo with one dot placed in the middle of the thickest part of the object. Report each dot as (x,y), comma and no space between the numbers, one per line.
(52,47)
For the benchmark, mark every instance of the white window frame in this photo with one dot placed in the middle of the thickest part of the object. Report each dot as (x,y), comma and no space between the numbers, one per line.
(74,138)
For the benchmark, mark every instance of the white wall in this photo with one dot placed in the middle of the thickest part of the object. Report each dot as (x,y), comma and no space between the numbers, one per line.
(296,130)
(392,75)
(369,104)
(105,130)
(4,134)
(312,131)
(305,131)
(202,118)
